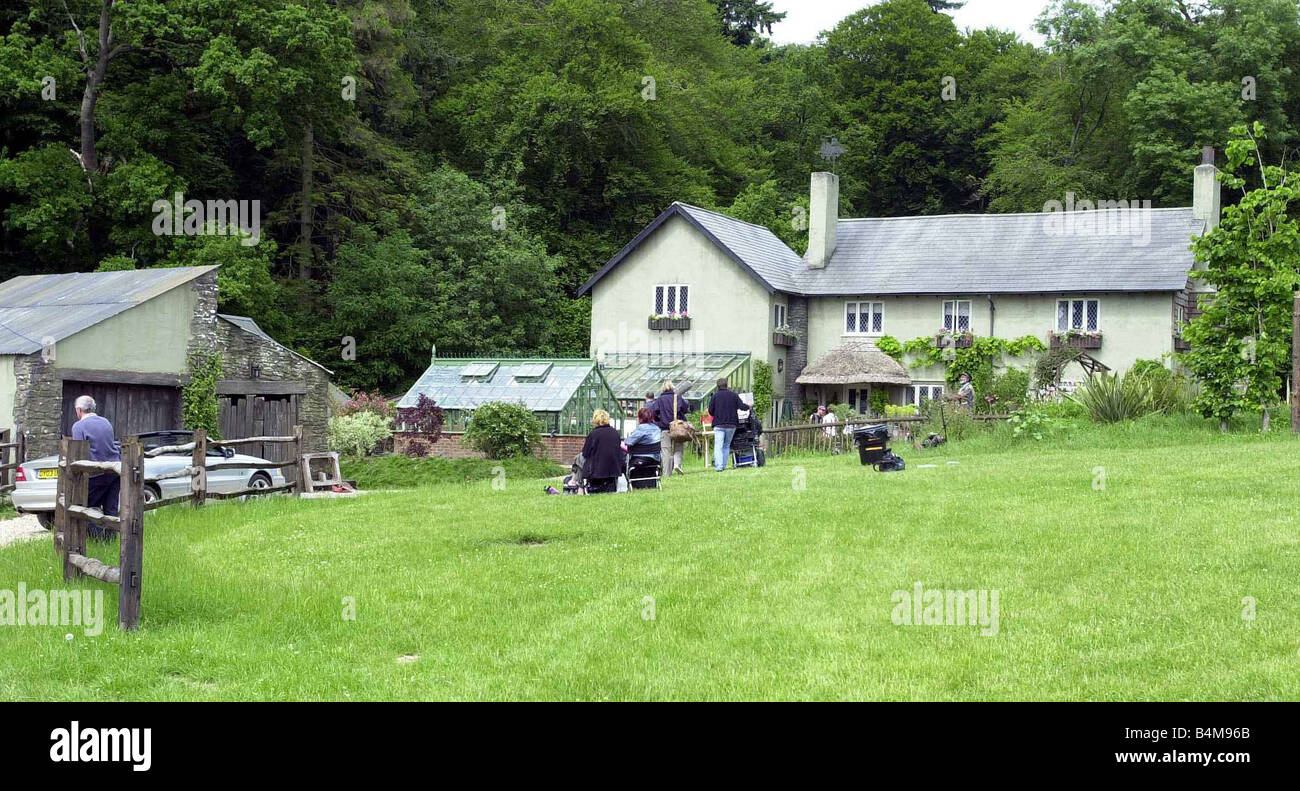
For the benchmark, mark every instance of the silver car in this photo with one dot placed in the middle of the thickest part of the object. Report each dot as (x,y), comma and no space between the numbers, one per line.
(36,481)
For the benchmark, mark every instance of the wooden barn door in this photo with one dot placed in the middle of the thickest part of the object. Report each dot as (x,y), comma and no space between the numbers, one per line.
(132,409)
(259,416)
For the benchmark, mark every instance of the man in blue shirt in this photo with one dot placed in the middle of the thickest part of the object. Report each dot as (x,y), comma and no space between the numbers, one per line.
(103,489)
(724,407)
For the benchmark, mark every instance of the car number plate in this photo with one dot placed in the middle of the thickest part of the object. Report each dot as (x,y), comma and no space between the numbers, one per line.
(50,472)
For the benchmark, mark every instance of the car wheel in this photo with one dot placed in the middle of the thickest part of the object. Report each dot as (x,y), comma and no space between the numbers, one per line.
(260,480)
(151,493)
(45,519)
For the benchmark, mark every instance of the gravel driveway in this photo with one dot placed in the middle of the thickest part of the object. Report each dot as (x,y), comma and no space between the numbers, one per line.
(21,528)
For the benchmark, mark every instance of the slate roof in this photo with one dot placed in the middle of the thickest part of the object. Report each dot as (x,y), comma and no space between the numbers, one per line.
(753,247)
(958,254)
(34,308)
(1002,253)
(248,325)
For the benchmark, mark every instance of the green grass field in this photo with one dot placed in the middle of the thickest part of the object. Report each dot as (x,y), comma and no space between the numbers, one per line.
(761,589)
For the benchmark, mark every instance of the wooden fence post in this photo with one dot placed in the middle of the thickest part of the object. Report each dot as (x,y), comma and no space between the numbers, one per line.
(199,479)
(303,467)
(76,491)
(131,514)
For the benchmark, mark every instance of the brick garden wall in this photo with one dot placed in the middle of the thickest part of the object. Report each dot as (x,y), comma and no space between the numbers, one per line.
(560,450)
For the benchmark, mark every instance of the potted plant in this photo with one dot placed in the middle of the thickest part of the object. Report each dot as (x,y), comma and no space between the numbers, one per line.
(1076,339)
(784,336)
(961,339)
(670,321)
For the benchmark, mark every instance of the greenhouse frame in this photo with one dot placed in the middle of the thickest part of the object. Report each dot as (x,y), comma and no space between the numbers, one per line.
(561,392)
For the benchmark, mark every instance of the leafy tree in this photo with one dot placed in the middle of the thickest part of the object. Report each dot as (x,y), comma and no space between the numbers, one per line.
(743,21)
(1241,342)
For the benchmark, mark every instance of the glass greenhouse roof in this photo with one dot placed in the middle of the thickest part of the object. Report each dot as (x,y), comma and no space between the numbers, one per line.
(631,375)
(547,387)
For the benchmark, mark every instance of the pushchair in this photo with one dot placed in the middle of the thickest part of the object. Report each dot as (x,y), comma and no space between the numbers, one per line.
(644,471)
(745,450)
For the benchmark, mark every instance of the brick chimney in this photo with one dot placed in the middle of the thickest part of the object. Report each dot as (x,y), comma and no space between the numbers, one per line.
(824,205)
(1205,190)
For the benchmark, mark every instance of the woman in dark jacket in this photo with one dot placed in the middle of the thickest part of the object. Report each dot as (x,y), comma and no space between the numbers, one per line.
(664,407)
(603,454)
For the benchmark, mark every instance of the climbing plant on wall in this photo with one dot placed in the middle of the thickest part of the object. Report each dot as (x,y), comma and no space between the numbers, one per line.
(199,406)
(762,388)
(976,359)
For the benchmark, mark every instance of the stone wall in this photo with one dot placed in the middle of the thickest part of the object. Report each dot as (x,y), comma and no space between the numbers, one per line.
(38,404)
(241,350)
(560,450)
(796,357)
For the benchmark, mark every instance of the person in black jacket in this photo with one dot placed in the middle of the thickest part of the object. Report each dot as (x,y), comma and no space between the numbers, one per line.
(603,455)
(664,407)
(725,407)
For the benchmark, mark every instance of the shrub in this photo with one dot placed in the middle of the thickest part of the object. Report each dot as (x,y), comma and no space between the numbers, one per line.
(879,401)
(423,423)
(502,430)
(1035,422)
(762,388)
(942,418)
(900,411)
(1009,391)
(1110,398)
(358,434)
(361,401)
(1170,392)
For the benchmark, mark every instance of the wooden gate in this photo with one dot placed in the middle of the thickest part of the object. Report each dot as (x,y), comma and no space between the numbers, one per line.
(133,409)
(259,416)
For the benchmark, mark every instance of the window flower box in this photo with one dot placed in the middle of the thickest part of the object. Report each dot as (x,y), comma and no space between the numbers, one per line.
(1074,339)
(957,339)
(673,321)
(784,336)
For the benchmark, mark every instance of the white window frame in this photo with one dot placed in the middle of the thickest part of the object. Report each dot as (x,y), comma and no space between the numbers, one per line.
(780,315)
(1066,323)
(875,310)
(952,307)
(675,290)
(933,391)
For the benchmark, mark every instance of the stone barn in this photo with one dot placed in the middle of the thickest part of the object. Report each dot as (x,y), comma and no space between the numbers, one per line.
(125,339)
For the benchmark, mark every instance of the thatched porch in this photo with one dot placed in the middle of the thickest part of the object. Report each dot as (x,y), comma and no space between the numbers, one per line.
(849,373)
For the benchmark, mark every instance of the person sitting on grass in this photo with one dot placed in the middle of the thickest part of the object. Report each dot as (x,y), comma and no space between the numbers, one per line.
(603,455)
(645,439)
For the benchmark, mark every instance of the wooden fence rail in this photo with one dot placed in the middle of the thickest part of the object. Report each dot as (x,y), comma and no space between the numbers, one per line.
(12,449)
(813,436)
(73,515)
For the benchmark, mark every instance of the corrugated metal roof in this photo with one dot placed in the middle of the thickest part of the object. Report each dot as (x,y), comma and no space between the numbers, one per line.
(248,325)
(961,253)
(38,309)
(446,383)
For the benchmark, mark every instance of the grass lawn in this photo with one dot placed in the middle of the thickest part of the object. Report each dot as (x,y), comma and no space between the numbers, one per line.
(760,589)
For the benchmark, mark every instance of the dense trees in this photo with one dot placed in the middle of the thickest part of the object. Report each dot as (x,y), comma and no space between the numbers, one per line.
(449,171)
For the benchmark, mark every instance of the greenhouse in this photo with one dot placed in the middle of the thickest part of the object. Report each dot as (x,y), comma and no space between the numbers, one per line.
(631,375)
(562,393)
